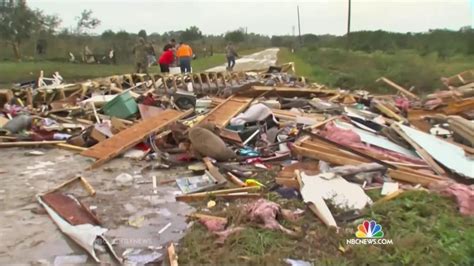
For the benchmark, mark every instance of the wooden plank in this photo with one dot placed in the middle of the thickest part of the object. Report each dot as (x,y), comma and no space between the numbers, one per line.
(325,156)
(292,116)
(209,217)
(124,140)
(239,195)
(349,149)
(399,88)
(214,171)
(414,178)
(312,145)
(386,111)
(71,147)
(234,179)
(221,115)
(290,91)
(223,191)
(230,135)
(30,143)
(173,257)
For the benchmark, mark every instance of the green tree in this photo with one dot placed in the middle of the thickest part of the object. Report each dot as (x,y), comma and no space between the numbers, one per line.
(235,36)
(86,22)
(108,34)
(18,23)
(142,33)
(192,33)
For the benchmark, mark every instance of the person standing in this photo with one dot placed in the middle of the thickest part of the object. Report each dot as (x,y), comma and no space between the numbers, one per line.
(166,59)
(184,54)
(151,55)
(231,54)
(171,44)
(140,52)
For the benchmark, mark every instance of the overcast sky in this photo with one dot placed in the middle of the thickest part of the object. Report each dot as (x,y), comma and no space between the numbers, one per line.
(266,17)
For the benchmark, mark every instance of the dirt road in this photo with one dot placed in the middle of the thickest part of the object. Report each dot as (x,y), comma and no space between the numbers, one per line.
(259,60)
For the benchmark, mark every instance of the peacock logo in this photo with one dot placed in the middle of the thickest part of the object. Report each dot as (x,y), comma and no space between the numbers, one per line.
(369,230)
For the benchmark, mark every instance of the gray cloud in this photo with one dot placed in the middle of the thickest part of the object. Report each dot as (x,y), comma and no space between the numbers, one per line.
(265,17)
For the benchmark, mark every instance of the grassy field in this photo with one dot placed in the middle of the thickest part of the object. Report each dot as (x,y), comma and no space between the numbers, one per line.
(11,72)
(426,229)
(359,70)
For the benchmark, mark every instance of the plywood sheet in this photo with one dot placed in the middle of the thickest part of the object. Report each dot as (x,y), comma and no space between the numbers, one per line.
(124,140)
(221,115)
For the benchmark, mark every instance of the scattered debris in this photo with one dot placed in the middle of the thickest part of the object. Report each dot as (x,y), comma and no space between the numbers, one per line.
(224,137)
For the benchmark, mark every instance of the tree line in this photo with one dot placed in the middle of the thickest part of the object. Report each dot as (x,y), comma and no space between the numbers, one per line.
(31,34)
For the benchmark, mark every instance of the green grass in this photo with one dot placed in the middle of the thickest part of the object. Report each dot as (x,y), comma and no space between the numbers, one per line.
(12,72)
(359,70)
(426,229)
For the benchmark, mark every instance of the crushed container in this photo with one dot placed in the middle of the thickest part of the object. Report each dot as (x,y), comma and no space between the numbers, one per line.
(122,106)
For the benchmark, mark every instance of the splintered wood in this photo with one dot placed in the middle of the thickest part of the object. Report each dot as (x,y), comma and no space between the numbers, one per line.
(221,115)
(316,149)
(124,140)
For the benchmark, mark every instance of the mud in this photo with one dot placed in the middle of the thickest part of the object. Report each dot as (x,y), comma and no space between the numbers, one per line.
(28,235)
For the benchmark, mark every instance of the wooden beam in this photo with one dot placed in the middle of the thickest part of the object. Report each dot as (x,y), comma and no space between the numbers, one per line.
(71,147)
(349,149)
(404,91)
(209,217)
(410,177)
(31,143)
(239,195)
(385,110)
(214,171)
(321,155)
(173,257)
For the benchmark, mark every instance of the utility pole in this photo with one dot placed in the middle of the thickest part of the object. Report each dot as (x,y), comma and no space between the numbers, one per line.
(299,25)
(348,26)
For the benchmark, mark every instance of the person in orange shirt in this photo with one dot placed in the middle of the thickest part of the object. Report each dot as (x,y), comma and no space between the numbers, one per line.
(184,54)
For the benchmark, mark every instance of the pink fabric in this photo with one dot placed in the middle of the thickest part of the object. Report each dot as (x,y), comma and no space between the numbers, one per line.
(223,235)
(264,211)
(402,103)
(349,138)
(213,225)
(464,195)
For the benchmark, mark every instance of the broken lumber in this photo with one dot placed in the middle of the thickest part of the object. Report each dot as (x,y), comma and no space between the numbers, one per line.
(335,156)
(238,195)
(127,138)
(173,257)
(71,147)
(225,111)
(236,180)
(385,110)
(31,143)
(214,171)
(404,91)
(205,216)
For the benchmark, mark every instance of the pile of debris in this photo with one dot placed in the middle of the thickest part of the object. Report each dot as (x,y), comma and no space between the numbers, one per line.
(325,144)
